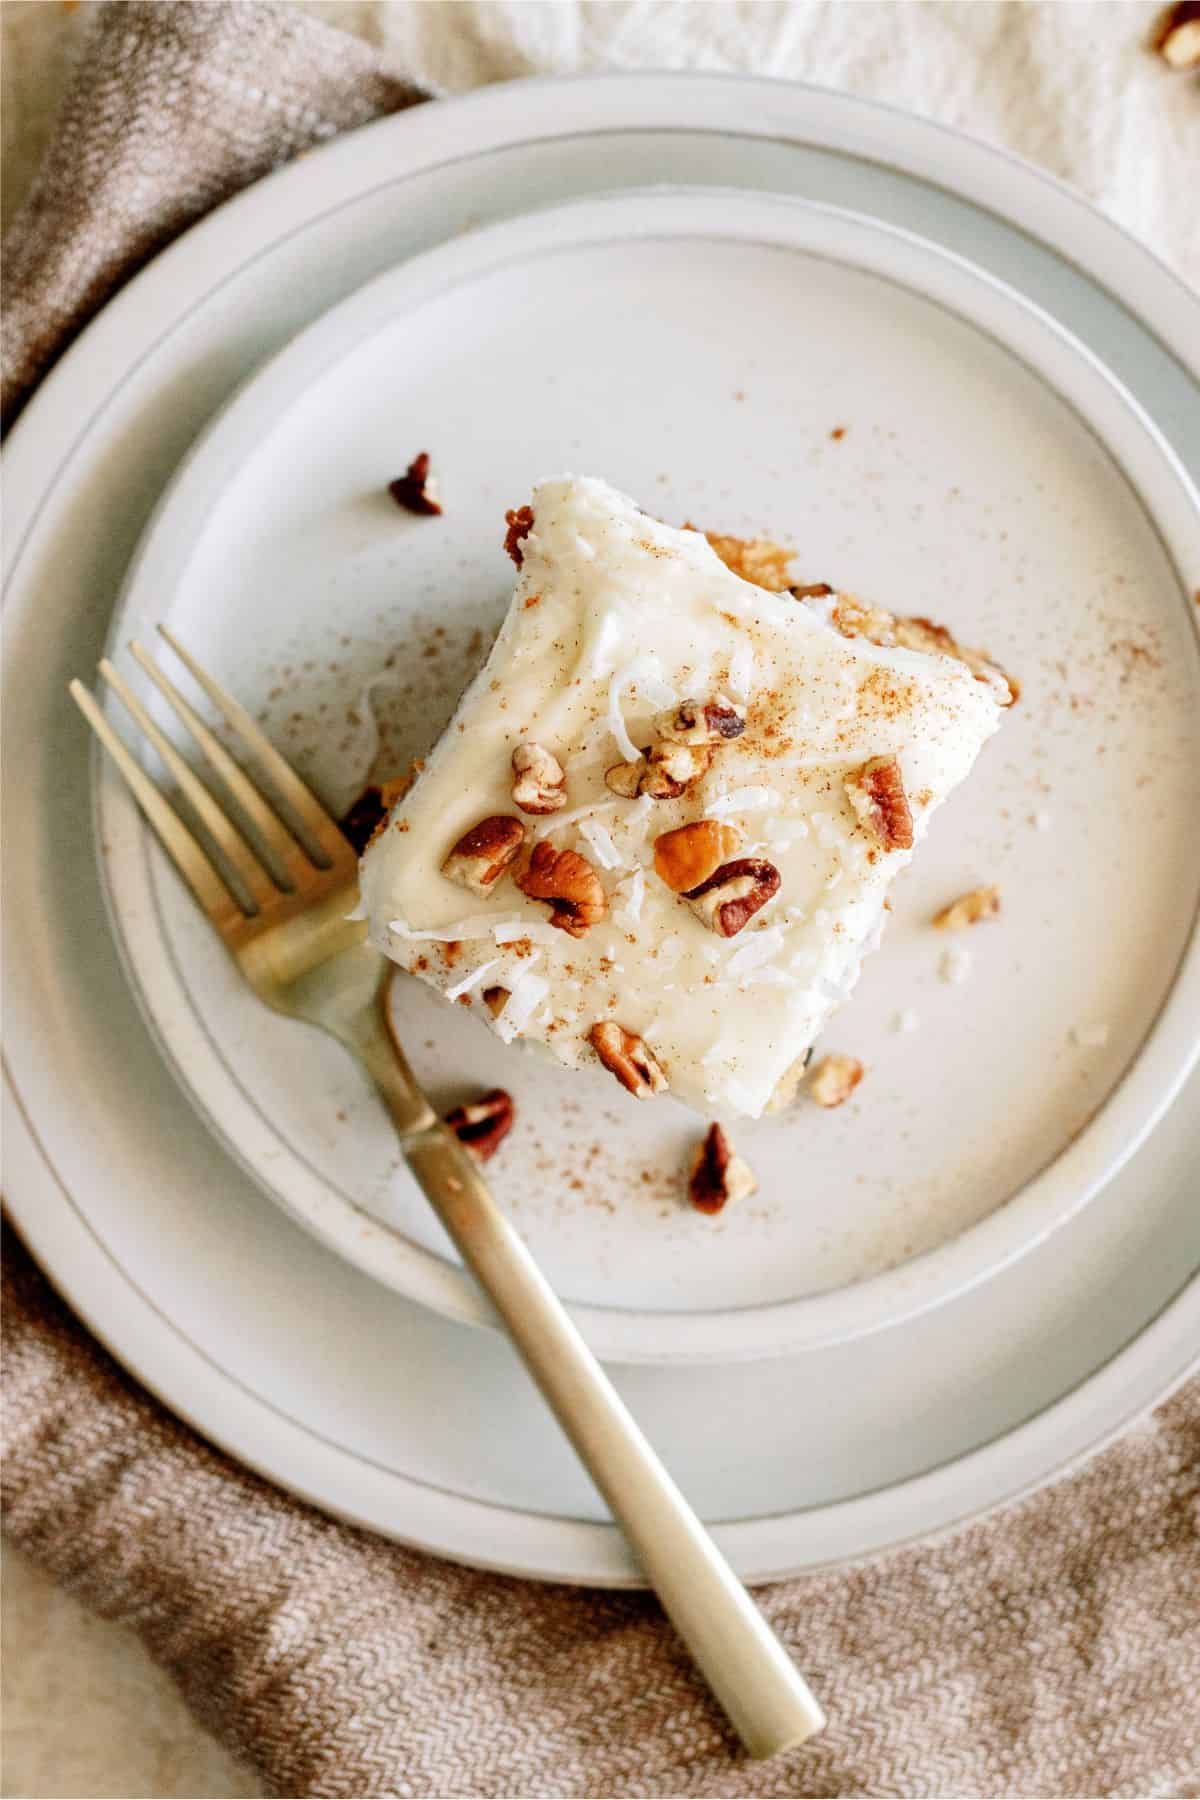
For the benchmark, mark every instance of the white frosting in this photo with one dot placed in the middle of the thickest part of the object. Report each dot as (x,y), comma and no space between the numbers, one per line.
(615,614)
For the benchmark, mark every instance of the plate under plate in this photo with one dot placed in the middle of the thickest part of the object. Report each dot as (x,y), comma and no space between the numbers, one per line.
(284,1354)
(611,336)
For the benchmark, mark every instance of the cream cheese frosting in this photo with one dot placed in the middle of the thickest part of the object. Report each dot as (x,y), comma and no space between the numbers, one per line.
(616,620)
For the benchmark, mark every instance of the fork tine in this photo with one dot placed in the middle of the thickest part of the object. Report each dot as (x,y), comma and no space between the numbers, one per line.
(214,897)
(303,802)
(232,844)
(271,829)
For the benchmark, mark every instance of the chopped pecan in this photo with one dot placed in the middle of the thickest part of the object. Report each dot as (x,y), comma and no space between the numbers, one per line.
(1177,36)
(625,778)
(685,857)
(540,785)
(876,792)
(672,768)
(520,524)
(629,1057)
(732,895)
(969,909)
(494,999)
(481,855)
(483,1124)
(811,590)
(700,722)
(417,490)
(834,1079)
(717,1174)
(664,771)
(570,885)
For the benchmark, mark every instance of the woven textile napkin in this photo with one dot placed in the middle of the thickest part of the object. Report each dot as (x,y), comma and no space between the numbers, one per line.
(1053,1650)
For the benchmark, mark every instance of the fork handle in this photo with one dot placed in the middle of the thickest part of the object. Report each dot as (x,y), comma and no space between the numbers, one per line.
(748,1669)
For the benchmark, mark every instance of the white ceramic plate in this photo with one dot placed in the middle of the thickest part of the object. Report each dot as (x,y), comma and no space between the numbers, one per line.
(611,335)
(286,1355)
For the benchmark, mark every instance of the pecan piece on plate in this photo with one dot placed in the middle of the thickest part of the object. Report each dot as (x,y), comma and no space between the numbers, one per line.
(1177,36)
(700,722)
(520,524)
(717,1174)
(834,1079)
(481,855)
(969,909)
(685,857)
(482,1125)
(732,895)
(629,1058)
(876,792)
(417,490)
(569,885)
(539,784)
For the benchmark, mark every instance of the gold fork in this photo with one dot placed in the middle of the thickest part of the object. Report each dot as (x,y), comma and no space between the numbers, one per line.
(287,927)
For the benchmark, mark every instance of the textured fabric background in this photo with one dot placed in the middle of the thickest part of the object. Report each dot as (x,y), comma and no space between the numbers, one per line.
(1055,1650)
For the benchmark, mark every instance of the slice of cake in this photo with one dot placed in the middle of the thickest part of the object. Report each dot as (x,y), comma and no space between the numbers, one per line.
(659,833)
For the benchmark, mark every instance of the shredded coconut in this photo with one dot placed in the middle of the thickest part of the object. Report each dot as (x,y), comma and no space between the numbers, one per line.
(600,843)
(760,949)
(741,669)
(629,895)
(605,644)
(770,977)
(482,925)
(536,930)
(557,821)
(955,965)
(525,996)
(783,833)
(743,799)
(638,813)
(644,675)
(473,979)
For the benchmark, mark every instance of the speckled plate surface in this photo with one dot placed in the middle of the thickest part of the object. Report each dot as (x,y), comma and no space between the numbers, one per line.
(284,1353)
(1009,1071)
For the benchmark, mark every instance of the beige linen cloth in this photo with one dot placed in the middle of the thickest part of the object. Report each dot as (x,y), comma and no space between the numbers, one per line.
(1052,1650)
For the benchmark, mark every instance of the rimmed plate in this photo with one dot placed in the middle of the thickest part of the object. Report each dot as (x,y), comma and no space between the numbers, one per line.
(610,334)
(283,1354)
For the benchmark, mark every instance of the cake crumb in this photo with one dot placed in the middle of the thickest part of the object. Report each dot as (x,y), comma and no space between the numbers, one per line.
(955,965)
(834,1079)
(971,908)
